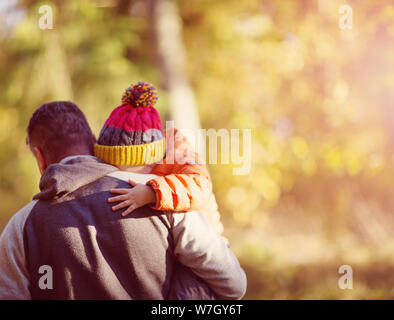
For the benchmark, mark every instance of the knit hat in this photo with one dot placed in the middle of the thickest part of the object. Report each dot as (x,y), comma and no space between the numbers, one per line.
(132,135)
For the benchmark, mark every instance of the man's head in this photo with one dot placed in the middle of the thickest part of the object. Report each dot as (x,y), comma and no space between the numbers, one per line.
(56,130)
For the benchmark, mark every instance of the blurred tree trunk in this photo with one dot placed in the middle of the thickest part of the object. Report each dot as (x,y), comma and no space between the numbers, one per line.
(50,78)
(171,58)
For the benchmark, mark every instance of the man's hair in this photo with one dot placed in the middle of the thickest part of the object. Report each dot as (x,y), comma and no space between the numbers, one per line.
(58,128)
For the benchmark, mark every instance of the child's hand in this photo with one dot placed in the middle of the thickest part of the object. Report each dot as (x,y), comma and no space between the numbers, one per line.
(133,198)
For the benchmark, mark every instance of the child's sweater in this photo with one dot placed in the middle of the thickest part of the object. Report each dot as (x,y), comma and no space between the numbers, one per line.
(184,183)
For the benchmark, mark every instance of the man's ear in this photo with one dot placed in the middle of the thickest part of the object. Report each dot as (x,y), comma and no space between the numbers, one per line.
(42,163)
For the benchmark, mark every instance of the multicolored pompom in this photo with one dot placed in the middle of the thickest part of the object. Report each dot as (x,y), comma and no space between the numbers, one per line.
(142,94)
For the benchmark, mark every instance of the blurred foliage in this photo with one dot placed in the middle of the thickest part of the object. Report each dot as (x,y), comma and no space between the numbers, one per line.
(319,101)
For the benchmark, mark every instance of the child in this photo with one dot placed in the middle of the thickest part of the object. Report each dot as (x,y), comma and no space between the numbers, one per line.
(133,136)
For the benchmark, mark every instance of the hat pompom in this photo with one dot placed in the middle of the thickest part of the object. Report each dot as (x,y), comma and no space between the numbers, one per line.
(142,94)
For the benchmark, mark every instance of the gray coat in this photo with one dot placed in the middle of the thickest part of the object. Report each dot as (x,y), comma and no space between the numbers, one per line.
(95,253)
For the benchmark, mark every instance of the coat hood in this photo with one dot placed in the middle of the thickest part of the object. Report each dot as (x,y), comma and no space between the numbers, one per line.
(70,174)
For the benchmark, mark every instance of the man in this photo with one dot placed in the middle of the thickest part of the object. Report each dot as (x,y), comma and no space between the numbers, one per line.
(90,252)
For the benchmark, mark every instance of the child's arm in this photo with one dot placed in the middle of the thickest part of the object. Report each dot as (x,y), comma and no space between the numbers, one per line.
(184,183)
(189,189)
(182,186)
(183,190)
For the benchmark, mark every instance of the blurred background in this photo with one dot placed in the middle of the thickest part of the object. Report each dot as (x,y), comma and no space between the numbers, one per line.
(318,99)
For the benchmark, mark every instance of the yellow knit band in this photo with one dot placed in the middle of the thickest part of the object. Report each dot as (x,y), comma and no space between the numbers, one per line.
(136,155)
